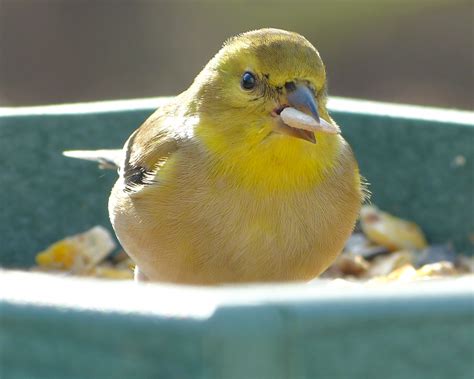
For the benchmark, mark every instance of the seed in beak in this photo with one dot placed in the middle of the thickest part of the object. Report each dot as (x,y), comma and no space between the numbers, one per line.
(299,120)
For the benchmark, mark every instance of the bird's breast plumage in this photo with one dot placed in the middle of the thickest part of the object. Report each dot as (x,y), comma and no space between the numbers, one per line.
(196,225)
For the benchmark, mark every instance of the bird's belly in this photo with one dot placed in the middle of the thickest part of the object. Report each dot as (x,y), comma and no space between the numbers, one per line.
(224,234)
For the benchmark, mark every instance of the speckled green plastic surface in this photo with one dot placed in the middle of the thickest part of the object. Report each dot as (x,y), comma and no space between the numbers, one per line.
(419,162)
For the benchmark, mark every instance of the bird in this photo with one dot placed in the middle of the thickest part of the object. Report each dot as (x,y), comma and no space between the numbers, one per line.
(244,177)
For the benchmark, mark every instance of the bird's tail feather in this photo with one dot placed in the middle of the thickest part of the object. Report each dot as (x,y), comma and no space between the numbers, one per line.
(107,159)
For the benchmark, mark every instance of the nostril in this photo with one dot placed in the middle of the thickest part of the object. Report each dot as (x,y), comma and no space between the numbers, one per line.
(290,86)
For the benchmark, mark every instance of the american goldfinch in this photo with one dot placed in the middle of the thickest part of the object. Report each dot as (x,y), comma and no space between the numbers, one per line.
(243,177)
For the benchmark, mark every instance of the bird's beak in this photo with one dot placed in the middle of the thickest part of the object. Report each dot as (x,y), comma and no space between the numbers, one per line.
(301,118)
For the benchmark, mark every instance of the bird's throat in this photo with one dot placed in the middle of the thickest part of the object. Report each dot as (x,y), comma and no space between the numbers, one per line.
(279,163)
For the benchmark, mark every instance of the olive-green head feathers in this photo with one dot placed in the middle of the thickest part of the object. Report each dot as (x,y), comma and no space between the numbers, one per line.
(264,83)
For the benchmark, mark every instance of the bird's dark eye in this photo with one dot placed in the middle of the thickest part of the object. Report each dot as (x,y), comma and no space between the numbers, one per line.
(248,81)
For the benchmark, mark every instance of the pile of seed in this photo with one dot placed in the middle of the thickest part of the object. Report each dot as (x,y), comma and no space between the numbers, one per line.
(382,248)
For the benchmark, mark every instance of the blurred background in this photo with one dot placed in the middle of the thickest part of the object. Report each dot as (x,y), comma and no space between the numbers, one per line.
(61,51)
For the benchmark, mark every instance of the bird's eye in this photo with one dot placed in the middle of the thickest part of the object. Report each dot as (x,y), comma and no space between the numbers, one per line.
(248,81)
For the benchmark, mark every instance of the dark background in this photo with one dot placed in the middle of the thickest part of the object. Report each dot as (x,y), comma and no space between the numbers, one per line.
(61,51)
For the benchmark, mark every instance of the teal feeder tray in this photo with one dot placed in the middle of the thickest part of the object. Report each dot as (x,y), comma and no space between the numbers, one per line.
(419,162)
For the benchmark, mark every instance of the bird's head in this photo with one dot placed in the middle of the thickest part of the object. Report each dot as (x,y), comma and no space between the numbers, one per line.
(263,84)
(261,106)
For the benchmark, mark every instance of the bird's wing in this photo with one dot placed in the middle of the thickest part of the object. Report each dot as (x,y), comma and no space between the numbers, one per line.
(150,146)
(147,149)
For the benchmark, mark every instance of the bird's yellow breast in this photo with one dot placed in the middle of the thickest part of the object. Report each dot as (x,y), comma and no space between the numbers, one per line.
(270,162)
(199,225)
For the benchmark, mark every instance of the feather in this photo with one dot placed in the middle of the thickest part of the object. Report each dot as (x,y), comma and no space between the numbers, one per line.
(107,159)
